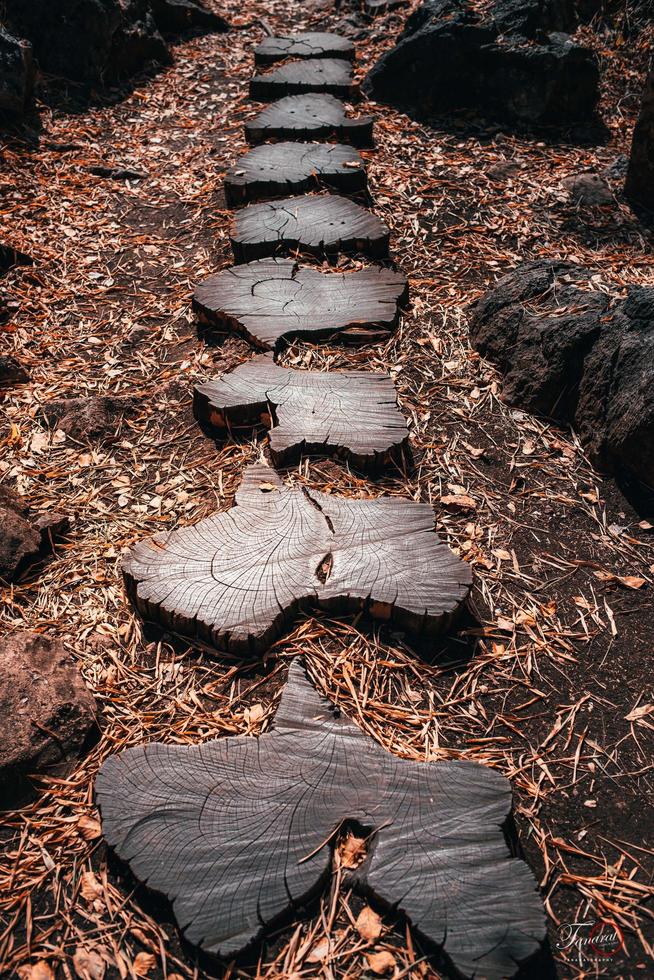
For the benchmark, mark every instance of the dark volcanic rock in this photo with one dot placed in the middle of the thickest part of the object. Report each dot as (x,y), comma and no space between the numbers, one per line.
(17,74)
(177,16)
(532,17)
(89,418)
(23,537)
(12,372)
(588,188)
(570,352)
(448,58)
(639,186)
(46,710)
(103,40)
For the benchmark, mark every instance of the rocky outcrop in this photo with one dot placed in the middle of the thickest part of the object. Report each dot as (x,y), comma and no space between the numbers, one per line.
(570,352)
(23,537)
(639,186)
(46,710)
(103,40)
(450,58)
(17,74)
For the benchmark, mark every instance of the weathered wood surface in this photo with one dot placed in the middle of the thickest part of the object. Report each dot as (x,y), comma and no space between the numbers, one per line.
(309,44)
(275,299)
(309,117)
(280,169)
(233,579)
(238,832)
(332,76)
(349,413)
(320,224)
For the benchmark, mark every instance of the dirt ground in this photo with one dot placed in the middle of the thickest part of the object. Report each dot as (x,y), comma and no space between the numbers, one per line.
(548,678)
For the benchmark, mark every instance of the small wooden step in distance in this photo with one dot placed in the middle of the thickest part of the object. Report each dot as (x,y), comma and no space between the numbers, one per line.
(332,76)
(309,44)
(309,117)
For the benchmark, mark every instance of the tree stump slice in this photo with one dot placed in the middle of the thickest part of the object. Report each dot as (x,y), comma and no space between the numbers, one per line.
(310,44)
(237,833)
(349,413)
(332,76)
(322,225)
(271,300)
(280,169)
(309,117)
(234,579)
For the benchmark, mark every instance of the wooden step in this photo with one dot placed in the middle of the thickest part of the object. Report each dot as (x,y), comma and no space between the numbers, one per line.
(332,76)
(271,300)
(238,832)
(280,169)
(309,117)
(352,414)
(233,579)
(309,44)
(320,224)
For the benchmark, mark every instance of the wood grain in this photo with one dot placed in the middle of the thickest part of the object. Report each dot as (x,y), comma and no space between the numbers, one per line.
(234,579)
(308,44)
(332,76)
(237,833)
(321,225)
(280,169)
(353,414)
(309,117)
(272,300)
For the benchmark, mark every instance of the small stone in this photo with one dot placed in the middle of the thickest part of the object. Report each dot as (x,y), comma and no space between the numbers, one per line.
(44,704)
(23,538)
(12,372)
(97,417)
(588,188)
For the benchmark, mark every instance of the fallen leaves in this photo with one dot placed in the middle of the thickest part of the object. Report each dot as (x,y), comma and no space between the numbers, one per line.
(368,924)
(381,963)
(640,713)
(88,964)
(460,500)
(89,827)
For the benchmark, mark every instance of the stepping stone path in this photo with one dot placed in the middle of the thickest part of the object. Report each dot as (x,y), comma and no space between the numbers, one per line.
(234,832)
(289,168)
(309,117)
(311,44)
(323,225)
(332,76)
(237,833)
(277,299)
(308,411)
(234,578)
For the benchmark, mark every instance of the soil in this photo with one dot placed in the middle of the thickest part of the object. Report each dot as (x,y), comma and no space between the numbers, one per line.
(548,678)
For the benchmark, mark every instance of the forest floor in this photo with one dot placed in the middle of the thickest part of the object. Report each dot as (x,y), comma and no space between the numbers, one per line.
(550,681)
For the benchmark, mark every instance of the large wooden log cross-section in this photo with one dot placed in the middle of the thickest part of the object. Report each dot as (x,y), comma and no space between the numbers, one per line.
(348,413)
(320,224)
(309,117)
(332,76)
(309,44)
(280,169)
(238,832)
(271,300)
(233,580)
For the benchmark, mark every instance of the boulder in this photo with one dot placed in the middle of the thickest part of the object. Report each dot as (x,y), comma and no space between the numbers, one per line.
(570,352)
(639,185)
(96,417)
(46,710)
(17,74)
(178,16)
(103,40)
(450,58)
(588,188)
(23,537)
(533,17)
(136,43)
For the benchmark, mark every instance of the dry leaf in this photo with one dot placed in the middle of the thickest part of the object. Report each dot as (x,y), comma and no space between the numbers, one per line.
(381,963)
(352,851)
(368,924)
(41,970)
(143,963)
(642,711)
(460,500)
(89,827)
(90,887)
(253,715)
(631,581)
(88,964)
(319,952)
